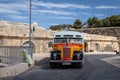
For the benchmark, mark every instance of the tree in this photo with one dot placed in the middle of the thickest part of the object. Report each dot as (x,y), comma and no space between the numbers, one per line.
(60,26)
(114,20)
(94,22)
(90,23)
(106,22)
(77,24)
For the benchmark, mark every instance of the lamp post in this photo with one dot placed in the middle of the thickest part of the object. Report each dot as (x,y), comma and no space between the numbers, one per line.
(34,24)
(30,31)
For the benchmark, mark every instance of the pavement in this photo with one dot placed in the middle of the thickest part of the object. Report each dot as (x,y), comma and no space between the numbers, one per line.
(97,66)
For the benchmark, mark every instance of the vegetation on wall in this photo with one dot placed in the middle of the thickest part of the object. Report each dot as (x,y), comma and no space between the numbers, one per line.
(106,22)
(91,23)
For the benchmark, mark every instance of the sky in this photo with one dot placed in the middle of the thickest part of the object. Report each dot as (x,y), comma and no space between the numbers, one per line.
(54,12)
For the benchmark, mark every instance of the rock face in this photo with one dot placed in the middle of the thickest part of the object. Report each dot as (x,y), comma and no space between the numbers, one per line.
(16,34)
(8,28)
(109,31)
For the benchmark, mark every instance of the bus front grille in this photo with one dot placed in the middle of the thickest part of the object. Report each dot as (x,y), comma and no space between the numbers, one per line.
(66,52)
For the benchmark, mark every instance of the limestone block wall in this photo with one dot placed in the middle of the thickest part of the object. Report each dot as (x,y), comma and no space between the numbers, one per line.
(102,46)
(8,28)
(101,43)
(13,70)
(16,34)
(107,31)
(41,45)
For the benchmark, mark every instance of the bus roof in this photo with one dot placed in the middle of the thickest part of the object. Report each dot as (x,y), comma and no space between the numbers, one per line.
(74,33)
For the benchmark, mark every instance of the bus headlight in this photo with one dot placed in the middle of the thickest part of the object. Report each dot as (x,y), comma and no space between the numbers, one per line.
(77,55)
(55,55)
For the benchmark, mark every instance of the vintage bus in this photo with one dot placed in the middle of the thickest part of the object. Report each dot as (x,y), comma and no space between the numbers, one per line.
(68,48)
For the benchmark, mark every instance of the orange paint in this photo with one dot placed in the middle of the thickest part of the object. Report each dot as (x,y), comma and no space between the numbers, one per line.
(69,45)
(66,59)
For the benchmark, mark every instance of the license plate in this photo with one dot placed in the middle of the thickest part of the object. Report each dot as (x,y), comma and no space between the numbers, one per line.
(66,63)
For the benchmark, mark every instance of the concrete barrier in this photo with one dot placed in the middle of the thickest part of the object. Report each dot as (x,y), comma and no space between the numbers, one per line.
(13,70)
(92,53)
(9,70)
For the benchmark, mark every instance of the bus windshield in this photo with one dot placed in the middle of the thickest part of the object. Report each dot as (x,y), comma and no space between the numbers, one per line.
(69,40)
(60,40)
(75,40)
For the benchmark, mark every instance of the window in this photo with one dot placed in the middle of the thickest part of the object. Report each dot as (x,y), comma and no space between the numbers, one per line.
(75,40)
(58,36)
(71,40)
(78,35)
(60,40)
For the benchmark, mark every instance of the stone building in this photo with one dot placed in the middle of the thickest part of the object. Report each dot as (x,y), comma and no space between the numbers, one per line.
(16,34)
(106,31)
(101,43)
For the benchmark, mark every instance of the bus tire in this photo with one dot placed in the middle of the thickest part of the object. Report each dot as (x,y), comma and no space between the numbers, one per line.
(78,65)
(52,65)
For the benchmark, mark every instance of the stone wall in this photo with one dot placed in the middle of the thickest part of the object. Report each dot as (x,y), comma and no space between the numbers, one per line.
(107,31)
(16,34)
(101,43)
(41,44)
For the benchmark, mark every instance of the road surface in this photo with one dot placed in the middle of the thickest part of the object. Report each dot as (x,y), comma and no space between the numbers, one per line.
(96,67)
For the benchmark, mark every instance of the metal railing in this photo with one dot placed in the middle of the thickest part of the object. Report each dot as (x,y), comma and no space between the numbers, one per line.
(13,55)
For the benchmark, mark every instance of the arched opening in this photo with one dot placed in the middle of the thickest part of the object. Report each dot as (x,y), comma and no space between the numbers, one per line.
(108,48)
(31,44)
(97,47)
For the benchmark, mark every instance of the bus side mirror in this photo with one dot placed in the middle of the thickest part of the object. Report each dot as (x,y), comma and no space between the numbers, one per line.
(49,44)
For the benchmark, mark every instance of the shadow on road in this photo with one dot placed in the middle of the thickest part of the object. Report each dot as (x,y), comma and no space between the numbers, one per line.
(93,69)
(44,64)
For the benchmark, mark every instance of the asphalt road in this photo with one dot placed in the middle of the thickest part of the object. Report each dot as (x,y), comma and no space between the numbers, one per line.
(94,69)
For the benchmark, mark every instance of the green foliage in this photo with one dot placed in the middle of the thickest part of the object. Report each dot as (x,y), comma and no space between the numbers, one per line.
(94,22)
(60,27)
(106,22)
(114,20)
(91,23)
(77,24)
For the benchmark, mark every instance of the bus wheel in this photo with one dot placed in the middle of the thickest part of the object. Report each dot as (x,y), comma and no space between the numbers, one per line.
(52,65)
(55,65)
(78,65)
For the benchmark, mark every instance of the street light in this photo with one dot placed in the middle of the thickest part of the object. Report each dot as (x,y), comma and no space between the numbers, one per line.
(30,32)
(34,24)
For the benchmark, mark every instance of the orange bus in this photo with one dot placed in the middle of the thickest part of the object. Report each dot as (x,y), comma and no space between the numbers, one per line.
(68,48)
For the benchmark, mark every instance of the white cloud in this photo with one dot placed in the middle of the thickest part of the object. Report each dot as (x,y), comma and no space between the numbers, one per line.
(13,7)
(17,17)
(57,12)
(107,7)
(94,14)
(99,15)
(63,17)
(8,11)
(85,13)
(54,24)
(62,5)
